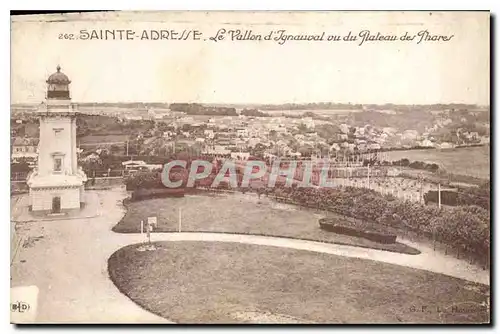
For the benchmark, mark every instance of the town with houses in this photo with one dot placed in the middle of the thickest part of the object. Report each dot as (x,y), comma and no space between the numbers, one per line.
(274,134)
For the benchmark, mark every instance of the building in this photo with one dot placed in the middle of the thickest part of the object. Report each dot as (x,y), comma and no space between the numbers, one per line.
(57,183)
(216,150)
(137,165)
(26,148)
(242,132)
(427,143)
(209,134)
(308,122)
(240,155)
(133,117)
(445,145)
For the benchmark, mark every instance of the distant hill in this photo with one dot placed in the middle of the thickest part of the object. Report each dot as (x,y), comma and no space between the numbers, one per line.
(140,105)
(284,106)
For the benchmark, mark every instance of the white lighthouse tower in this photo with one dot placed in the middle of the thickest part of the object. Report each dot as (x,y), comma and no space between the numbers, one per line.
(57,184)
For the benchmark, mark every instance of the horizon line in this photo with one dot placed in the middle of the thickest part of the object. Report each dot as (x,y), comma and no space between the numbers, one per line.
(265,104)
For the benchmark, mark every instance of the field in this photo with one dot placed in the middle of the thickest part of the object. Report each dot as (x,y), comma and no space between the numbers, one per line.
(98,139)
(205,282)
(238,213)
(473,161)
(320,112)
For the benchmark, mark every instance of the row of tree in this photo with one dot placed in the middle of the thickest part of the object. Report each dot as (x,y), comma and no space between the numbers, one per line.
(350,106)
(412,164)
(199,109)
(254,113)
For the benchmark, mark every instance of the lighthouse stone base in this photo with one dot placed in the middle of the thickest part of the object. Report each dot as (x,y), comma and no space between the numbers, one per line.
(22,209)
(42,198)
(56,194)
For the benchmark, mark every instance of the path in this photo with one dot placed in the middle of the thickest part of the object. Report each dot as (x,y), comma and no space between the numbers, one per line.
(69,264)
(427,260)
(69,267)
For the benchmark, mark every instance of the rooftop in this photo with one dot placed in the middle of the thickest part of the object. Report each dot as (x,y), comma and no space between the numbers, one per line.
(58,78)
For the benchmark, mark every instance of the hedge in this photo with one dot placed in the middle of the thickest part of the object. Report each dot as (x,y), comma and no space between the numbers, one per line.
(466,228)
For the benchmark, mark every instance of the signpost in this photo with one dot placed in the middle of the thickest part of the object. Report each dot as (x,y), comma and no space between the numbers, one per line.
(149,233)
(152,222)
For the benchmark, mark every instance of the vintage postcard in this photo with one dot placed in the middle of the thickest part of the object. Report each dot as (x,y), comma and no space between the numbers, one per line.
(250,167)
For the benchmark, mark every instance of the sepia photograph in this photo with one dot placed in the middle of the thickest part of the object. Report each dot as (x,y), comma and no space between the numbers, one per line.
(238,167)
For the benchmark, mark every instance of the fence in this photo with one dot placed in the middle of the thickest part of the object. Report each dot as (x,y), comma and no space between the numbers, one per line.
(22,176)
(19,176)
(98,183)
(107,173)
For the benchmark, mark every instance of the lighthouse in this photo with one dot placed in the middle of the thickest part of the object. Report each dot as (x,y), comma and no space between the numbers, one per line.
(56,185)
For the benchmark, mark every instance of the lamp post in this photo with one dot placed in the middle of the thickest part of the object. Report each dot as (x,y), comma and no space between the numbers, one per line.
(439,195)
(368,176)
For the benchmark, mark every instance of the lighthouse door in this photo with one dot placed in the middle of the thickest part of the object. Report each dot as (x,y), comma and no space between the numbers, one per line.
(56,204)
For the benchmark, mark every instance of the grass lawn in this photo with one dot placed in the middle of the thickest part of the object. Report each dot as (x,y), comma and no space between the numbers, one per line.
(240,213)
(211,282)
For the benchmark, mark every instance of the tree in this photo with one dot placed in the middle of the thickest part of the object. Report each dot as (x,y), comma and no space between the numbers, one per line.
(91,163)
(305,151)
(302,128)
(327,131)
(115,149)
(187,128)
(273,135)
(259,150)
(22,166)
(253,113)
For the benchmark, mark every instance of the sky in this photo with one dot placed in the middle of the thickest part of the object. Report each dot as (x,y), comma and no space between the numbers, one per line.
(400,72)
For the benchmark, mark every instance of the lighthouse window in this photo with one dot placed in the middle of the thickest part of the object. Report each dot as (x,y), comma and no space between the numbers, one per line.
(57,164)
(57,131)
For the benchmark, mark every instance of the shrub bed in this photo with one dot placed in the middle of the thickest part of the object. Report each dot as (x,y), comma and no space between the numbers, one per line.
(143,194)
(332,226)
